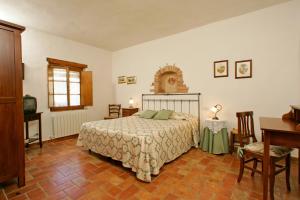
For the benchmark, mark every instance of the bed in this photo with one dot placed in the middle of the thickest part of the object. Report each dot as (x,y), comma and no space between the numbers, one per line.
(144,145)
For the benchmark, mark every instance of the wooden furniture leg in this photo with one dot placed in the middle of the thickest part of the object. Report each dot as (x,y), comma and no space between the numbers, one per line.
(21,180)
(266,162)
(27,132)
(288,171)
(254,167)
(299,165)
(272,178)
(242,166)
(40,132)
(231,143)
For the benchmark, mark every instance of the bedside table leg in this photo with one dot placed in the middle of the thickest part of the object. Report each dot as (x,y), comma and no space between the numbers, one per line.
(27,133)
(232,139)
(40,132)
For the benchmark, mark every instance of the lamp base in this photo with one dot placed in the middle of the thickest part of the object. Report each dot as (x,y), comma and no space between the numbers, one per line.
(215,118)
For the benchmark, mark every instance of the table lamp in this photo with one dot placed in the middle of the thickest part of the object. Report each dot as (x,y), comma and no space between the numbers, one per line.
(131,103)
(215,109)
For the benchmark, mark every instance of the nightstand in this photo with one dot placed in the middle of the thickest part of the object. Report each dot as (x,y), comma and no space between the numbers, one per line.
(129,111)
(27,119)
(215,137)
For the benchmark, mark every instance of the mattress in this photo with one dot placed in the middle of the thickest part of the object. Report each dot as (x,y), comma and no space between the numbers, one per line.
(143,145)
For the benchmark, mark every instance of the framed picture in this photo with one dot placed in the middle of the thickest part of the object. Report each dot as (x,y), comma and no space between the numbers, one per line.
(121,79)
(221,68)
(131,79)
(243,69)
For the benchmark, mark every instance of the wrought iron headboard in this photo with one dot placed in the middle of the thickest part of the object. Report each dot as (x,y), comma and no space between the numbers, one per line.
(171,101)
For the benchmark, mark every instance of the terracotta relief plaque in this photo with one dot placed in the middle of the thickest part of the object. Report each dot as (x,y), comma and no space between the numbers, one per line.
(169,80)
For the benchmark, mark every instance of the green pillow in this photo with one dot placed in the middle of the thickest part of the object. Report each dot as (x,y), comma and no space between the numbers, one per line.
(163,114)
(148,114)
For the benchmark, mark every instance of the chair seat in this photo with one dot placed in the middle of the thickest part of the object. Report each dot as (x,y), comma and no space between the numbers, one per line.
(275,151)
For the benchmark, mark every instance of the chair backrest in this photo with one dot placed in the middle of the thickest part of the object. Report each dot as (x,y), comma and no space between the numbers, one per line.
(114,109)
(245,127)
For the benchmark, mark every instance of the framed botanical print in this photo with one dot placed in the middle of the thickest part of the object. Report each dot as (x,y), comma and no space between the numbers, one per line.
(121,79)
(221,68)
(131,79)
(243,69)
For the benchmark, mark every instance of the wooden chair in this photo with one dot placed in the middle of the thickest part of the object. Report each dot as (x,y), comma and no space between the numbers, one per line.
(253,151)
(235,141)
(114,111)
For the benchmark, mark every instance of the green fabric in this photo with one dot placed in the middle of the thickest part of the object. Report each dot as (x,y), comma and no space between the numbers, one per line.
(240,152)
(215,143)
(148,114)
(163,114)
(258,148)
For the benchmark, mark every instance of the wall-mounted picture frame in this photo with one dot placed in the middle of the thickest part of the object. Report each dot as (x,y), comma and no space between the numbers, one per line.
(122,79)
(243,69)
(131,79)
(221,68)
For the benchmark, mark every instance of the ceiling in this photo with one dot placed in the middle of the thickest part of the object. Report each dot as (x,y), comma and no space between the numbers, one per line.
(117,24)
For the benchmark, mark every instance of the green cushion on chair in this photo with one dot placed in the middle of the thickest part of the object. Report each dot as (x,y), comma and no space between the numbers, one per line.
(275,151)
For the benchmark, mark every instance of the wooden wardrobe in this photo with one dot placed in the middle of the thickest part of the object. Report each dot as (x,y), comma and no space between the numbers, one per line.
(12,155)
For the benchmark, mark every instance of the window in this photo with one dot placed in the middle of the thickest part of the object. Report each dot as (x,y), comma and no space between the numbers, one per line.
(67,89)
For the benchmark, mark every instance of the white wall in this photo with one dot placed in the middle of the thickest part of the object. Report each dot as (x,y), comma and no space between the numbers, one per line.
(270,37)
(37,46)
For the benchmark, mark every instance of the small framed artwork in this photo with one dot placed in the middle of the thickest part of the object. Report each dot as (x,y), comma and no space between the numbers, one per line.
(243,69)
(131,79)
(121,79)
(221,68)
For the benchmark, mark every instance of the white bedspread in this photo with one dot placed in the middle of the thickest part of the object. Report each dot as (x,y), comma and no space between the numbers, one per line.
(143,145)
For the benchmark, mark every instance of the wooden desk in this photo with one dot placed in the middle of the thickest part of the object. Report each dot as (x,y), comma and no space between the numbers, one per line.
(32,117)
(277,132)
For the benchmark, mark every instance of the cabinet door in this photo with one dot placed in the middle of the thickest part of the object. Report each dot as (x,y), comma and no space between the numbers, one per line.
(11,121)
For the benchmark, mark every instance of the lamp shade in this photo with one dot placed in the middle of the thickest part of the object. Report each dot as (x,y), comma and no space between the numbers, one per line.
(131,102)
(214,109)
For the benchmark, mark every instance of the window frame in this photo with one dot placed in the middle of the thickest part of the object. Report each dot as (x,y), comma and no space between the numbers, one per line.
(69,66)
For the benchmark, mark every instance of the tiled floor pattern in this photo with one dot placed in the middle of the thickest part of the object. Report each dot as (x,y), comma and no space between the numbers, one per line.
(63,171)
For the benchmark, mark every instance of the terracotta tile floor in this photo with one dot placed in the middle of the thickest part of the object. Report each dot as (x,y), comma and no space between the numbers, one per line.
(63,171)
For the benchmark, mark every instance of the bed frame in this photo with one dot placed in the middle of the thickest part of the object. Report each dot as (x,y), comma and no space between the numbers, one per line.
(179,102)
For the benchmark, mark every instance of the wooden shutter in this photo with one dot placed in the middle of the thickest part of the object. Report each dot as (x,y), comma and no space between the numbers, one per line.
(86,88)
(50,88)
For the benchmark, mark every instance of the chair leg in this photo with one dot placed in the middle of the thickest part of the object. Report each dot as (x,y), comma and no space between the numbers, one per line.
(272,179)
(262,170)
(254,167)
(288,171)
(242,166)
(232,143)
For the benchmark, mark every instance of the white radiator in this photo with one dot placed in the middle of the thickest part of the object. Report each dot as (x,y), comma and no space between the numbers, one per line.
(68,123)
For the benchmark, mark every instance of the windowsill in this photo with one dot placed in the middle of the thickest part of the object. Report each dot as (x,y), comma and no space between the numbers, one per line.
(66,108)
